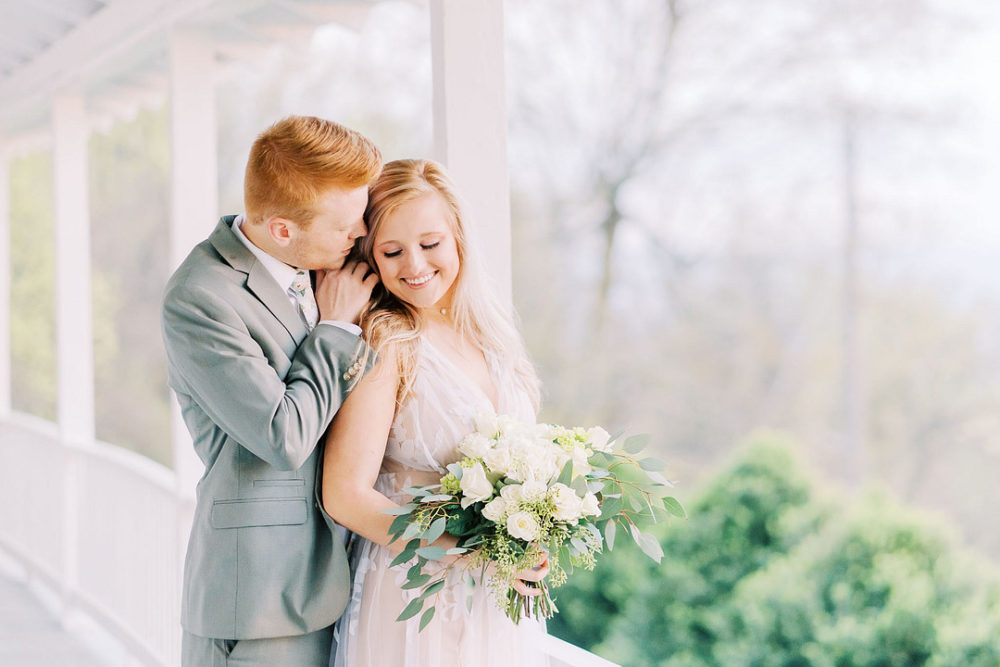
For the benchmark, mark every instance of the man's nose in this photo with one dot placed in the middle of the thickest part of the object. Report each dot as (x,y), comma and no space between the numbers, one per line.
(359,230)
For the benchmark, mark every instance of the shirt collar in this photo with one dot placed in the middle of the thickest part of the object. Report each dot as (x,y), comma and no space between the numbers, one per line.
(282,273)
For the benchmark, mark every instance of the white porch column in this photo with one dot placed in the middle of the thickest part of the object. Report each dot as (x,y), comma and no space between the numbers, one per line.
(194,188)
(470,120)
(6,317)
(74,333)
(74,329)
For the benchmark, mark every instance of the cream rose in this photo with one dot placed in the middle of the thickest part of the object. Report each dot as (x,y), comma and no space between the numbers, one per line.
(532,491)
(523,526)
(589,505)
(475,486)
(599,439)
(499,459)
(495,510)
(511,493)
(475,445)
(566,502)
(487,424)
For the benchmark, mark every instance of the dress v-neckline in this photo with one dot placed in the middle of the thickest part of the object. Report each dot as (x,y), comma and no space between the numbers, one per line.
(458,371)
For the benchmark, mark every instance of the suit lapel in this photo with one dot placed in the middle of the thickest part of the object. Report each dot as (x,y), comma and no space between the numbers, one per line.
(259,281)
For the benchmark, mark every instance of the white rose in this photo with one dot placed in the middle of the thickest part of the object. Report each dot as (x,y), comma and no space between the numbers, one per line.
(486,424)
(523,526)
(566,502)
(599,439)
(475,486)
(589,505)
(495,509)
(499,459)
(475,445)
(532,491)
(511,493)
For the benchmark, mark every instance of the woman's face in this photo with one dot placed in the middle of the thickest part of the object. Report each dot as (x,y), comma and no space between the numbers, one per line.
(416,252)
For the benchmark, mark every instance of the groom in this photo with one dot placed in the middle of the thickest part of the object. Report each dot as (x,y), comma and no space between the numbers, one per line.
(260,362)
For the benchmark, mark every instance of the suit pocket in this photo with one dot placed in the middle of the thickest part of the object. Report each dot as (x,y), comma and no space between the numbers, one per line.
(279,482)
(264,512)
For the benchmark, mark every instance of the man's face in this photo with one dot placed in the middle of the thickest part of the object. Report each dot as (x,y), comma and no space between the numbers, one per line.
(327,240)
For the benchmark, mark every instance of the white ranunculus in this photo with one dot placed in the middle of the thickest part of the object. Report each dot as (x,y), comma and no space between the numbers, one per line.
(532,491)
(589,505)
(475,485)
(599,439)
(511,493)
(487,424)
(567,503)
(495,510)
(523,526)
(475,445)
(499,459)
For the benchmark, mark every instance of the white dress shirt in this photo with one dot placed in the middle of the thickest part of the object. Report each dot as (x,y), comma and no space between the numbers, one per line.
(283,274)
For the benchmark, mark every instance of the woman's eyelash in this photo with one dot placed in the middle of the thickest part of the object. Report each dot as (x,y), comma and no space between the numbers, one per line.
(396,253)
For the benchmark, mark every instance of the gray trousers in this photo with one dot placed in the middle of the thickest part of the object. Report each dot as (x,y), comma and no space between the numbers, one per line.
(311,650)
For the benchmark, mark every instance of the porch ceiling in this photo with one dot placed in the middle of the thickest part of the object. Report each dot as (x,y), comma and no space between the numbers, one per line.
(114,52)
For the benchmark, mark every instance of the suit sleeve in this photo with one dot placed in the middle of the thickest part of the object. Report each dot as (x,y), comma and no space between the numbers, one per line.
(216,361)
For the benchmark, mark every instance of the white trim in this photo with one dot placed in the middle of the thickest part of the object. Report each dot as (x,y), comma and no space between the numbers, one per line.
(108,33)
(6,316)
(74,328)
(193,190)
(470,121)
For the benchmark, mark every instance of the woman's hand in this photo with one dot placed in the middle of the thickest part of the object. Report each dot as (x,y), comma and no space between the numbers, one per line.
(525,579)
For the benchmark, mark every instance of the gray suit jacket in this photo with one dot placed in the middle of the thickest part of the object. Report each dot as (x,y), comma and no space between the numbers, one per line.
(257,391)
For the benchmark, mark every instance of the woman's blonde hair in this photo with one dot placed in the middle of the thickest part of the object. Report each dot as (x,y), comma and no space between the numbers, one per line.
(390,323)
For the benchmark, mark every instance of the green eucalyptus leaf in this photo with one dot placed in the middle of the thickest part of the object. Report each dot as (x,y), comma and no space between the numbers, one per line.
(652,463)
(611,507)
(426,618)
(432,589)
(402,509)
(609,534)
(579,485)
(417,581)
(674,507)
(658,478)
(435,530)
(636,443)
(412,530)
(650,546)
(437,497)
(566,474)
(455,470)
(431,553)
(411,609)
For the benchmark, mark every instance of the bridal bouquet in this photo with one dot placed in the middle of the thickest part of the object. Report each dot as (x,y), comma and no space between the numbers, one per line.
(521,491)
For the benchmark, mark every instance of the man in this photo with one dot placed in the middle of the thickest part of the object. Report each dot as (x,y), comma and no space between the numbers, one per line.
(258,380)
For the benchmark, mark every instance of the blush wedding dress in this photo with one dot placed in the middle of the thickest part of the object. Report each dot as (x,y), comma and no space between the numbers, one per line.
(468,628)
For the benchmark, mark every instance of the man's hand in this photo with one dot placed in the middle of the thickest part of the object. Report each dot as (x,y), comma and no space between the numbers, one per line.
(341,294)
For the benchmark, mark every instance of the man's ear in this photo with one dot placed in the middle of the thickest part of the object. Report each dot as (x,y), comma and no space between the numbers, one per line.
(280,230)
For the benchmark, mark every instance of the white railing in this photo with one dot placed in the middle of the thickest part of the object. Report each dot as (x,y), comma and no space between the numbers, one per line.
(101,527)
(105,529)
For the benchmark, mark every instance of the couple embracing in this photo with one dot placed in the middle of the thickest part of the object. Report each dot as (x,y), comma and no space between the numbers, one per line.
(329,349)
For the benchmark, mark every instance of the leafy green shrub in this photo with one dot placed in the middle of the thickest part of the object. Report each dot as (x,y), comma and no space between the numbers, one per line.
(766,573)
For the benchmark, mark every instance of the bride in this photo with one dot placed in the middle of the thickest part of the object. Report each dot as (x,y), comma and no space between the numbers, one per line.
(447,351)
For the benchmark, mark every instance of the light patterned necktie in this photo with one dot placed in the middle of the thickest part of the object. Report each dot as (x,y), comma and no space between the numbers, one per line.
(301,291)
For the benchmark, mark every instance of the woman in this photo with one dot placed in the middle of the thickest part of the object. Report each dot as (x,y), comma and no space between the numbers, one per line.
(447,351)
